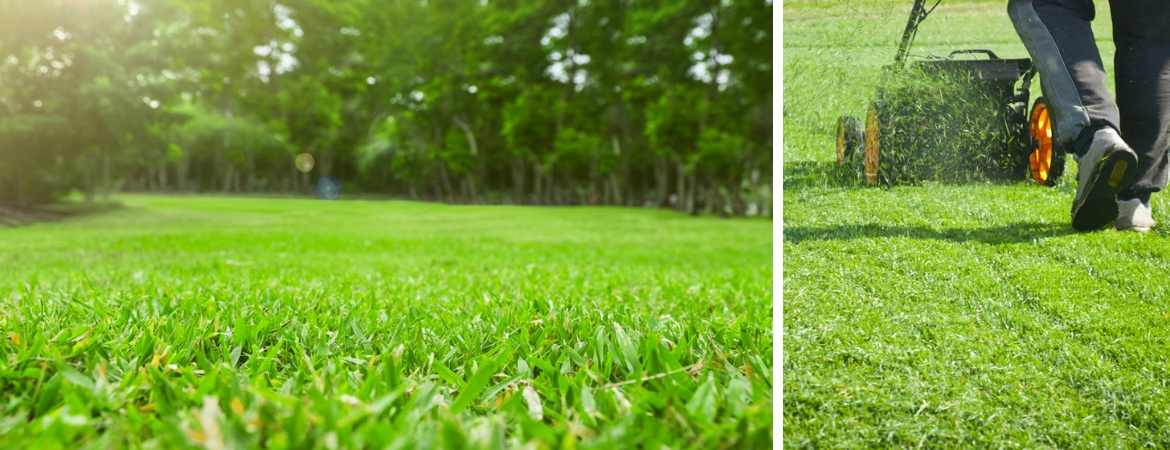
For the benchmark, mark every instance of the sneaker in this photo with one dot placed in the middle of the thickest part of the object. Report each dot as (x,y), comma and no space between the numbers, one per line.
(1106,168)
(1134,215)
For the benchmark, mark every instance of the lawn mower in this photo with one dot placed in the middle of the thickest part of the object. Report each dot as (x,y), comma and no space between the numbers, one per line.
(959,117)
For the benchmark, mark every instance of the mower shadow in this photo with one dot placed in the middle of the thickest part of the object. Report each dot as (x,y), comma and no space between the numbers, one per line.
(801,174)
(819,174)
(1016,233)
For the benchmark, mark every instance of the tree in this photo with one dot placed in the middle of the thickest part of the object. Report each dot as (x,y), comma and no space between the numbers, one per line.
(471,101)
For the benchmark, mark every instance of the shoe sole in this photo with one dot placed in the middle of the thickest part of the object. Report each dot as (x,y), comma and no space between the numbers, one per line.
(1099,205)
(1137,228)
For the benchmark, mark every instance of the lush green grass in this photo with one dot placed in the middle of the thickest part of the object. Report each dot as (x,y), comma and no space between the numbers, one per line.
(953,315)
(176,322)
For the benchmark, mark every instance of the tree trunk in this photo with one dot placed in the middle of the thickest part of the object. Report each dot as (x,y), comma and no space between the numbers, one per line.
(162,176)
(250,176)
(88,180)
(681,187)
(106,178)
(181,173)
(326,162)
(662,176)
(198,178)
(181,177)
(616,189)
(517,179)
(570,196)
(537,179)
(227,179)
(737,206)
(445,179)
(716,200)
(617,150)
(551,189)
(470,188)
(594,180)
(690,195)
(18,185)
(474,148)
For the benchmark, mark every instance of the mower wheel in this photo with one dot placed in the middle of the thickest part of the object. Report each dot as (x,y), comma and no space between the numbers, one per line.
(1045,161)
(874,122)
(849,138)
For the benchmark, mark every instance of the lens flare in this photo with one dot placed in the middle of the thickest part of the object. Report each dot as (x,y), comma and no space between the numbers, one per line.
(328,188)
(304,162)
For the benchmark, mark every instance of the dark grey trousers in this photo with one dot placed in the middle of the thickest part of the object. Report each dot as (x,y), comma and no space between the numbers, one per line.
(1060,40)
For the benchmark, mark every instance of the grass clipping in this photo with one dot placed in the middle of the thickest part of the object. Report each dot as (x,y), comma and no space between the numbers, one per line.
(943,125)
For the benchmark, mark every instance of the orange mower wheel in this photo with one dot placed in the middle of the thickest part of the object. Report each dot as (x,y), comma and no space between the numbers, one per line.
(1046,158)
(873,139)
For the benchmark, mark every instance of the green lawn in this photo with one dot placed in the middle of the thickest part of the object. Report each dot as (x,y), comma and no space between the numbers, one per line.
(177,322)
(953,315)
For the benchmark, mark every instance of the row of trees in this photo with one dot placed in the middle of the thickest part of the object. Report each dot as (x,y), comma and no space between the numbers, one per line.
(620,102)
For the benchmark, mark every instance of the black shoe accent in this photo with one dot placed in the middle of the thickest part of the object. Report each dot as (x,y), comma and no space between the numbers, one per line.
(1099,205)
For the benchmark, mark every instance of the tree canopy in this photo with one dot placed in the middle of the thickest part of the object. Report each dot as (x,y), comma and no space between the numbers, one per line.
(551,102)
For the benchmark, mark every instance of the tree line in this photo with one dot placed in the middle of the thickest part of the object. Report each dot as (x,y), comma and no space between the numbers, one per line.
(543,102)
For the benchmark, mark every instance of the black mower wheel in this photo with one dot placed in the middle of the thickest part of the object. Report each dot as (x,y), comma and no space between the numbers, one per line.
(1045,161)
(849,138)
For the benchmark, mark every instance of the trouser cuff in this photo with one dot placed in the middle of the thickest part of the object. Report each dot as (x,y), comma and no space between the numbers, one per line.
(1085,139)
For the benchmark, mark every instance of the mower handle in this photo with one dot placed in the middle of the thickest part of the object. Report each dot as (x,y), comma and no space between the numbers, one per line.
(918,13)
(973,52)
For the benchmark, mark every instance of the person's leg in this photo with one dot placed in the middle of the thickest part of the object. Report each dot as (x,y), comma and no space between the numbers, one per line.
(1060,41)
(1085,117)
(1141,31)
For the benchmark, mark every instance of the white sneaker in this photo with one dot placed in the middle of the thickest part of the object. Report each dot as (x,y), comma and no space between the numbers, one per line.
(1133,215)
(1106,168)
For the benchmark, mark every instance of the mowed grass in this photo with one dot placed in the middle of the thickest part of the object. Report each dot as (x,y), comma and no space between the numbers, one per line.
(278,323)
(953,316)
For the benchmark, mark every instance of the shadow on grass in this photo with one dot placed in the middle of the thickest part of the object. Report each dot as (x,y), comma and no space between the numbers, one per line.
(14,216)
(829,174)
(1015,233)
(820,173)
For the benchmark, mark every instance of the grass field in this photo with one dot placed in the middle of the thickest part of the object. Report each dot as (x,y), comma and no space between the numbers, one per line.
(948,316)
(222,322)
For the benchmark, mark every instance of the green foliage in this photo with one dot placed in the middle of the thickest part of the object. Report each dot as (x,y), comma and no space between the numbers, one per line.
(457,152)
(672,122)
(208,132)
(575,148)
(529,128)
(481,93)
(720,154)
(378,149)
(261,323)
